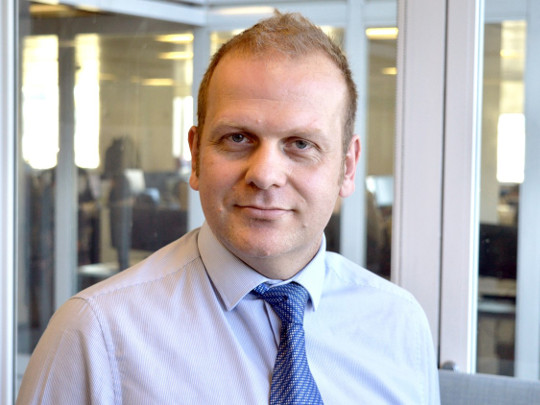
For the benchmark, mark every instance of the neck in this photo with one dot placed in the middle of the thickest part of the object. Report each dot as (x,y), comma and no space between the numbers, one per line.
(282,267)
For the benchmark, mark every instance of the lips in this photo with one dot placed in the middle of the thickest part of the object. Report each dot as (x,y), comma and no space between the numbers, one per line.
(262,212)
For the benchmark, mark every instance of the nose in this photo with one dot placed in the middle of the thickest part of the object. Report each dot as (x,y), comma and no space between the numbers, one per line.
(267,167)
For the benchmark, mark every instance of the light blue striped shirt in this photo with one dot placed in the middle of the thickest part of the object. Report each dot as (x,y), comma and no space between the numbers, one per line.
(181,327)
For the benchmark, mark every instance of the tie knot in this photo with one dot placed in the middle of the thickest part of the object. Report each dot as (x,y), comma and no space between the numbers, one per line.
(288,301)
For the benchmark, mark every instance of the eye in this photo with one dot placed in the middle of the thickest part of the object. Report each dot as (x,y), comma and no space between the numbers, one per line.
(301,144)
(235,142)
(237,138)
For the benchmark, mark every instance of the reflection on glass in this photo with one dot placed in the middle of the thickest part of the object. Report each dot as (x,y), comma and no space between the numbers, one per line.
(503,148)
(131,110)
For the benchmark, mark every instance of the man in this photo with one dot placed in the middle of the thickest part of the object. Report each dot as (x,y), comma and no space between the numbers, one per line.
(199,321)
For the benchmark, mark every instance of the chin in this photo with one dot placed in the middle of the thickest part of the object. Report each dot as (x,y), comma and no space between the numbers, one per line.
(259,248)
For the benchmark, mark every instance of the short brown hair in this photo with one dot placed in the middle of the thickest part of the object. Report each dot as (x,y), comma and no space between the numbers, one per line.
(290,34)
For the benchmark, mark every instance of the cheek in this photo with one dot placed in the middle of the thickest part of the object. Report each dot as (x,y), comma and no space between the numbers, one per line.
(210,169)
(319,189)
(326,177)
(216,178)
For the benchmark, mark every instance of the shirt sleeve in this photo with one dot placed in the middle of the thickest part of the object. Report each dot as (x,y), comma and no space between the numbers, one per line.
(73,361)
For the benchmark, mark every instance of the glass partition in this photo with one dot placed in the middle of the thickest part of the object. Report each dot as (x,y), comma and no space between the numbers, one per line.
(502,173)
(105,107)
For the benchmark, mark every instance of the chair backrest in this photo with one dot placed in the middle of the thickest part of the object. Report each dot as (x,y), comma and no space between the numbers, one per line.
(478,389)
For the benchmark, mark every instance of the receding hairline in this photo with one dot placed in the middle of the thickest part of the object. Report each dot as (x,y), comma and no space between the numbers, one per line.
(277,55)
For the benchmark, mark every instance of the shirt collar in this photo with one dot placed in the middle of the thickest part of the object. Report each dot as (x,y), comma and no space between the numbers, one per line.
(234,279)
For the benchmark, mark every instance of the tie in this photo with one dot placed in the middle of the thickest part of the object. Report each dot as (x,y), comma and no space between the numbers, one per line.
(292,382)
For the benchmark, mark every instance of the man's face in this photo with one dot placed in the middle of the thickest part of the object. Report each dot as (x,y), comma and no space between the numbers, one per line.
(270,160)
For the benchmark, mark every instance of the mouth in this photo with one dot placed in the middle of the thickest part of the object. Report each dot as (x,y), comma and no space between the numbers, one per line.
(262,212)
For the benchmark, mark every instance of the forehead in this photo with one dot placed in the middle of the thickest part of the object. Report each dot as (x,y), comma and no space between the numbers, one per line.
(302,82)
(315,66)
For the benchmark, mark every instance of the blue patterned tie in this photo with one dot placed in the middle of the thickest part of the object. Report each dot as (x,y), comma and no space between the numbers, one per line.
(292,382)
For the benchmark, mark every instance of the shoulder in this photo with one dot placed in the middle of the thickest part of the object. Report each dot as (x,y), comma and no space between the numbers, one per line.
(343,274)
(348,285)
(139,294)
(72,361)
(172,260)
(117,306)
(384,316)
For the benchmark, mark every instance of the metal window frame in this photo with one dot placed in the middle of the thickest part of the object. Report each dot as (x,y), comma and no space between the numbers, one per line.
(463,111)
(8,85)
(527,350)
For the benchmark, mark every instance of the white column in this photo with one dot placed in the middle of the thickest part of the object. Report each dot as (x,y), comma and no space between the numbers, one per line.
(416,235)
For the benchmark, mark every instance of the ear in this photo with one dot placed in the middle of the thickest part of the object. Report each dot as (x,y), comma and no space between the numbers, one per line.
(193,140)
(349,167)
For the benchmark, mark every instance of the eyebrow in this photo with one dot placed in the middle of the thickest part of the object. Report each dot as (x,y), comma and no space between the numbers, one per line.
(230,125)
